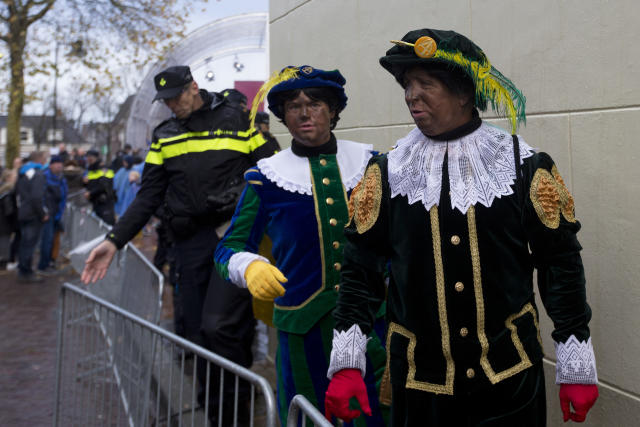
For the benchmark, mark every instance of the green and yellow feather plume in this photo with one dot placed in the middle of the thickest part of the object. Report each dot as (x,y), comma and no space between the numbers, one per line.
(275,79)
(491,86)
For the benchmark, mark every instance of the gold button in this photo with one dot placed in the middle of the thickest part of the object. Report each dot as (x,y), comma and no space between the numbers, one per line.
(455,239)
(333,221)
(336,244)
(323,162)
(459,286)
(326,181)
(471,373)
(329,200)
(464,332)
(337,266)
(337,288)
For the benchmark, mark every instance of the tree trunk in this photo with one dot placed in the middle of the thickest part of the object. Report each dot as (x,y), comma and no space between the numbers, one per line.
(17,42)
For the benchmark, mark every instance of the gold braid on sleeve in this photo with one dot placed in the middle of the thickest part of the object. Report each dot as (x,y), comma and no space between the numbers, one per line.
(364,204)
(550,197)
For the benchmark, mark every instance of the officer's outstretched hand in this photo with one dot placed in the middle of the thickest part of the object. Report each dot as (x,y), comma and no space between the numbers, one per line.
(264,280)
(581,397)
(344,385)
(95,267)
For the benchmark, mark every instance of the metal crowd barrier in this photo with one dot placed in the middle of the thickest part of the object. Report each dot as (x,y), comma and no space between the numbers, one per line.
(301,407)
(116,367)
(101,379)
(132,282)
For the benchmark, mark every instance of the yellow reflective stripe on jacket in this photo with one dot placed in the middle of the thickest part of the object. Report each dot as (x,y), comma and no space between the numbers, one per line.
(154,158)
(99,174)
(166,148)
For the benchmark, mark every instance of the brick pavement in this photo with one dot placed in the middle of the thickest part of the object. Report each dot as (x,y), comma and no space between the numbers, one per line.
(28,331)
(28,321)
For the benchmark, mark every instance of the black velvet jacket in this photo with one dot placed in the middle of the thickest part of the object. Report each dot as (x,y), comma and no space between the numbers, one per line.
(460,299)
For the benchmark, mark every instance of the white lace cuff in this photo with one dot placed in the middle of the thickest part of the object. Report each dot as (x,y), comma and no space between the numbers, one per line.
(349,351)
(576,362)
(238,264)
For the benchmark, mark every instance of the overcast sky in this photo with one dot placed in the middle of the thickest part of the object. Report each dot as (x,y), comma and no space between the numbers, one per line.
(201,14)
(216,9)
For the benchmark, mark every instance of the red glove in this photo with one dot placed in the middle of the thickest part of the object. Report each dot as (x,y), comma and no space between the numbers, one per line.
(344,385)
(581,396)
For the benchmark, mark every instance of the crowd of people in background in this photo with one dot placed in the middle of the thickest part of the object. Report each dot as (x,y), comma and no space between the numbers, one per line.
(33,198)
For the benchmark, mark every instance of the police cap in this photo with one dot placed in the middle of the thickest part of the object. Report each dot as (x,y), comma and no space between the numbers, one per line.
(262,117)
(170,82)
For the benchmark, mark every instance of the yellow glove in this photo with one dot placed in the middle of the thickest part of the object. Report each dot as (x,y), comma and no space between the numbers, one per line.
(263,280)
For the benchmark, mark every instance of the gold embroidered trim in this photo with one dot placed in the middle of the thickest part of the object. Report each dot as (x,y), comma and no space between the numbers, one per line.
(351,203)
(524,363)
(447,387)
(385,385)
(550,197)
(442,302)
(568,207)
(364,204)
(412,383)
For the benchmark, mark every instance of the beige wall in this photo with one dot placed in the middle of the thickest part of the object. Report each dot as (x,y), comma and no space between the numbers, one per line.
(578,63)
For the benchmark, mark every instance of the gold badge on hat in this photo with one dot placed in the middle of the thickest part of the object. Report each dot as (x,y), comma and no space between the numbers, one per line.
(424,47)
(162,82)
(307,70)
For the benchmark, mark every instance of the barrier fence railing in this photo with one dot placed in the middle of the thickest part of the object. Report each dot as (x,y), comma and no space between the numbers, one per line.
(117,367)
(131,282)
(300,409)
(101,377)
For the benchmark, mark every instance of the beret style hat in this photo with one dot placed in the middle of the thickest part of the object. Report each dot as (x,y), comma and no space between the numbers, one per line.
(292,78)
(449,49)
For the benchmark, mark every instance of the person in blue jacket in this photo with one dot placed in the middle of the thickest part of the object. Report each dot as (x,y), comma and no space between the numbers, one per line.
(55,199)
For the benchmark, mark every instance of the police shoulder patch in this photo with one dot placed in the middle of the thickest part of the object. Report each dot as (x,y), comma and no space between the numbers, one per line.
(551,198)
(364,204)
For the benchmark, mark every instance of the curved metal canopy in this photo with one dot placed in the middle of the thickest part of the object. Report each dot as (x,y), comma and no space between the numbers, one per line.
(225,37)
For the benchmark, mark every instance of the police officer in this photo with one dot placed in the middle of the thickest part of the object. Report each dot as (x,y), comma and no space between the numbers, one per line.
(262,124)
(195,164)
(99,184)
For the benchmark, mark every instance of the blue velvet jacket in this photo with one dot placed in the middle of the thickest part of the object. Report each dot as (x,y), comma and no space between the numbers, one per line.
(300,203)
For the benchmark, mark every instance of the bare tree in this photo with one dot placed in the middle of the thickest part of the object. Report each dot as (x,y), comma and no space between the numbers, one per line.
(102,38)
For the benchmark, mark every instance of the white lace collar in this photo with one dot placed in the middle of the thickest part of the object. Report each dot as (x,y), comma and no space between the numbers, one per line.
(481,167)
(292,173)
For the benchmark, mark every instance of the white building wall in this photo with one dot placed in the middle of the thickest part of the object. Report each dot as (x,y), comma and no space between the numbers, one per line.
(578,63)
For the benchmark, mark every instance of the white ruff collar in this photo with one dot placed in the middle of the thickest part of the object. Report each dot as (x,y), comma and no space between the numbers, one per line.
(293,173)
(481,167)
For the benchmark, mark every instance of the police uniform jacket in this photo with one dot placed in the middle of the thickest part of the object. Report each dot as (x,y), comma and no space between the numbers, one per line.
(100,184)
(191,160)
(462,237)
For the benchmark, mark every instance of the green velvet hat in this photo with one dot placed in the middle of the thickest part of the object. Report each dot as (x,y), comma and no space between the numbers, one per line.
(449,49)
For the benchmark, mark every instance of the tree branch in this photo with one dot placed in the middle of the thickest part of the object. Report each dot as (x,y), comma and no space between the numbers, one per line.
(48,4)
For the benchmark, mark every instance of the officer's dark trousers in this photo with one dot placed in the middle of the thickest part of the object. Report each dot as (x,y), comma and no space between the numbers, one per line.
(217,315)
(194,266)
